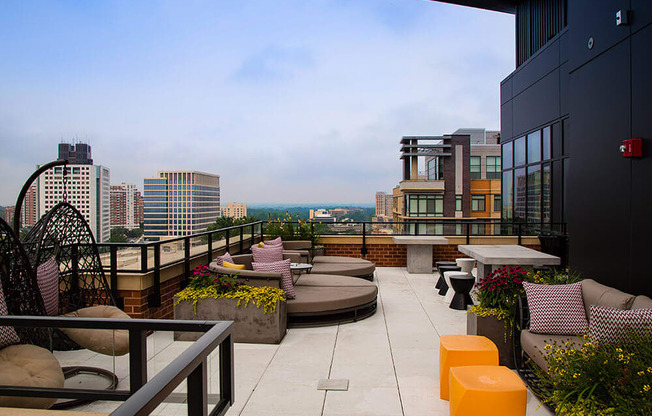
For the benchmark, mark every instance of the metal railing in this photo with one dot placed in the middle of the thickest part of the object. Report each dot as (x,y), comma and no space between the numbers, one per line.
(155,255)
(143,396)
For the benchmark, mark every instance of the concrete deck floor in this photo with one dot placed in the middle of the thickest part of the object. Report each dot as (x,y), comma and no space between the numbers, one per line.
(390,359)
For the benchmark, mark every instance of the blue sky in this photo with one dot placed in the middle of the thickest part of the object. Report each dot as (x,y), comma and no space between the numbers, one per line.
(290,101)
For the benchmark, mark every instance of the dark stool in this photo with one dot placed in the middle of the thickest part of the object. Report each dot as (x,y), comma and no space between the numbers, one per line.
(439,264)
(443,287)
(462,286)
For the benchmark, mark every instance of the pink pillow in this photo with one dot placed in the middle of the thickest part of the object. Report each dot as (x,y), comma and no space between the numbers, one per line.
(616,325)
(282,267)
(556,309)
(47,277)
(268,254)
(275,242)
(225,257)
(8,335)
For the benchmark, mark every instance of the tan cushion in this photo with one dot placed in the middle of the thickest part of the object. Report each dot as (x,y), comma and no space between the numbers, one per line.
(329,280)
(344,269)
(314,299)
(29,366)
(100,340)
(297,245)
(642,302)
(595,293)
(339,259)
(534,344)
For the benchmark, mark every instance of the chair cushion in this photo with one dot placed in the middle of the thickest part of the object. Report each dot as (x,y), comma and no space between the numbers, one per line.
(8,335)
(344,269)
(230,265)
(274,242)
(47,277)
(615,325)
(315,299)
(595,293)
(534,345)
(339,259)
(225,257)
(556,309)
(100,340)
(268,254)
(29,366)
(282,267)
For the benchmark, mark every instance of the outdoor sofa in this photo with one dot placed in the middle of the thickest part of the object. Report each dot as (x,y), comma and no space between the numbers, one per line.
(531,345)
(321,299)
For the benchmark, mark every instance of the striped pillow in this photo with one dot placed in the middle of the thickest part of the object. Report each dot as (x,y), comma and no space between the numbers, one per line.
(226,257)
(8,335)
(282,267)
(615,325)
(267,254)
(556,309)
(47,277)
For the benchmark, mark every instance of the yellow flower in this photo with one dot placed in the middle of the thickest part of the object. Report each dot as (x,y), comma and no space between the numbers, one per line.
(576,375)
(640,373)
(649,370)
(646,387)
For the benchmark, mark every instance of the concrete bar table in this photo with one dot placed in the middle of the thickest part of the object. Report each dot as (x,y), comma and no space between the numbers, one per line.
(419,251)
(490,257)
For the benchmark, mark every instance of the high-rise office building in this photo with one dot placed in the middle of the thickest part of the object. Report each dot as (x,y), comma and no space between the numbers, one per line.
(384,204)
(179,203)
(85,186)
(126,206)
(234,210)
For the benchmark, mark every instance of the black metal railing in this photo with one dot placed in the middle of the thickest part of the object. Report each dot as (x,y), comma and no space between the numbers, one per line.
(149,256)
(143,396)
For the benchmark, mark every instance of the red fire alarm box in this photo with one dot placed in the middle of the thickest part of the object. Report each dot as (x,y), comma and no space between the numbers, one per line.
(632,147)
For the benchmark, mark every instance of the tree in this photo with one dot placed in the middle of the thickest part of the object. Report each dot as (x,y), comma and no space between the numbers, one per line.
(118,235)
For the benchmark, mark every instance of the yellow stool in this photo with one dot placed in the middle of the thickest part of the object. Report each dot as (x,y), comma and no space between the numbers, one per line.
(462,350)
(486,390)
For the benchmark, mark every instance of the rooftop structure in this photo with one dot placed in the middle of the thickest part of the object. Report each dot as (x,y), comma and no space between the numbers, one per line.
(77,154)
(126,206)
(234,210)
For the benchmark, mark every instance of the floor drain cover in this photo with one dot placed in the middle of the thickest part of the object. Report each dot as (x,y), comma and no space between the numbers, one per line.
(333,384)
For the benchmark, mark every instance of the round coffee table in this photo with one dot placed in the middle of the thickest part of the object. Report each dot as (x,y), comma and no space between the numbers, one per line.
(301,267)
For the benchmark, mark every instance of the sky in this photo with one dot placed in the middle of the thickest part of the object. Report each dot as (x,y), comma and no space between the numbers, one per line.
(289,101)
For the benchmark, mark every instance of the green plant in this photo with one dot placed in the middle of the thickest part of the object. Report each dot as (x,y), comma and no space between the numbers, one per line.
(553,277)
(203,278)
(288,229)
(599,378)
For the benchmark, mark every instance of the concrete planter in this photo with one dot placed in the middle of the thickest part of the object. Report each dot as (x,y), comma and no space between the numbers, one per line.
(251,324)
(495,330)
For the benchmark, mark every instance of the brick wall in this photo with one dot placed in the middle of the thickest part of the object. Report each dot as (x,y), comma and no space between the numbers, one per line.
(136,301)
(393,255)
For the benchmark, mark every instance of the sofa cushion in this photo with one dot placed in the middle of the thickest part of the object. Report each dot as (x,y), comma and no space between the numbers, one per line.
(344,269)
(268,254)
(534,345)
(282,267)
(29,366)
(315,299)
(225,257)
(47,277)
(274,242)
(8,335)
(556,309)
(329,280)
(595,293)
(297,245)
(642,302)
(230,265)
(339,259)
(616,325)
(104,341)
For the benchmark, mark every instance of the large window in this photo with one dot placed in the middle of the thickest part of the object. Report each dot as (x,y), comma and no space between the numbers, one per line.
(425,205)
(493,167)
(475,167)
(436,169)
(478,203)
(498,206)
(458,202)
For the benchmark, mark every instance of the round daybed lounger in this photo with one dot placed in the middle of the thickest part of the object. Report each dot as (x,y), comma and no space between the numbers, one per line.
(343,266)
(321,299)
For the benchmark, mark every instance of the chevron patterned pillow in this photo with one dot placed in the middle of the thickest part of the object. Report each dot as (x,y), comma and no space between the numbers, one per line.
(47,277)
(225,257)
(616,325)
(556,309)
(282,267)
(267,254)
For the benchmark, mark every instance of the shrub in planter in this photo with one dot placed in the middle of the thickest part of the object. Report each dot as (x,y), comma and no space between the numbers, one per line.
(599,378)
(259,313)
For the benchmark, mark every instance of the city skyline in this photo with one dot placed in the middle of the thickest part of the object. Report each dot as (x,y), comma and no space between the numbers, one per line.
(307,93)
